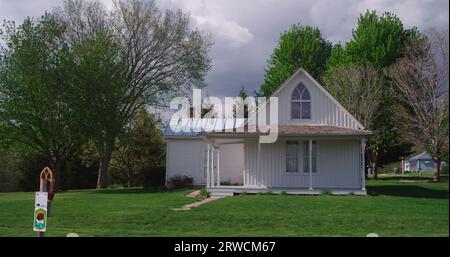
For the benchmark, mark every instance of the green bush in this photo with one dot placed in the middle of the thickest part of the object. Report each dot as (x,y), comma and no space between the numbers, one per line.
(325,192)
(283,193)
(115,186)
(153,176)
(180,181)
(204,193)
(228,183)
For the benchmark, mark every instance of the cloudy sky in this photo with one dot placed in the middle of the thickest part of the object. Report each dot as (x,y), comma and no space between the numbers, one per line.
(246,31)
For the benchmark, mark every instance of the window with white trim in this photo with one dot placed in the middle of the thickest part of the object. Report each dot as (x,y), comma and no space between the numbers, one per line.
(306,157)
(300,103)
(291,156)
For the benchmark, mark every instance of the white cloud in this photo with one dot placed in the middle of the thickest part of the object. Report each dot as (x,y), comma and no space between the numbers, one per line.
(224,31)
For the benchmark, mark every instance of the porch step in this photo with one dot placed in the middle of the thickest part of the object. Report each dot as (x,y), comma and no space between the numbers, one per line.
(221,192)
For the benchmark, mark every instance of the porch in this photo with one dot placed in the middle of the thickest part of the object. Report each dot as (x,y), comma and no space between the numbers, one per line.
(221,191)
(339,169)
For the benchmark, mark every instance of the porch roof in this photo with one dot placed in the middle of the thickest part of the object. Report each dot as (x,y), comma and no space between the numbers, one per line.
(235,128)
(295,130)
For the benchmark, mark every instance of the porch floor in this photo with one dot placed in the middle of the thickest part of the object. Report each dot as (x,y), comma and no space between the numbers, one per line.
(232,190)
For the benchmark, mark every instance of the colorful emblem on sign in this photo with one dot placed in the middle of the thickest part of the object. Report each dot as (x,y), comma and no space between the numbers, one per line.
(40,219)
(40,212)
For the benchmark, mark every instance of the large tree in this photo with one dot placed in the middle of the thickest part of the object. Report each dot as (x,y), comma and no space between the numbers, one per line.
(155,55)
(35,86)
(359,88)
(298,47)
(422,79)
(141,147)
(378,41)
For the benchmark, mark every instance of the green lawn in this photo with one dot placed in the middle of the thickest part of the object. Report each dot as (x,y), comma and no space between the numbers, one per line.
(394,207)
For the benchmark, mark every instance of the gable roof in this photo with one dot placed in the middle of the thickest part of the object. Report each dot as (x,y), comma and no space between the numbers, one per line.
(321,88)
(229,125)
(420,156)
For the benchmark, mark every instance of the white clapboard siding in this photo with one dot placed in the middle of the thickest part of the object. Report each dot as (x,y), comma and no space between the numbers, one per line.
(187,157)
(337,165)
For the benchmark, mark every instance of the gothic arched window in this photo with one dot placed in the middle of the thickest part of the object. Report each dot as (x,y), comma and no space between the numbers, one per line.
(300,103)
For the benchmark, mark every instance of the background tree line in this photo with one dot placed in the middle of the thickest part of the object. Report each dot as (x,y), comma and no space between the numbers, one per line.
(75,85)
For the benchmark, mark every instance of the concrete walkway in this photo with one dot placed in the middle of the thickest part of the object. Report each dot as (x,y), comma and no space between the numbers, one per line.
(188,207)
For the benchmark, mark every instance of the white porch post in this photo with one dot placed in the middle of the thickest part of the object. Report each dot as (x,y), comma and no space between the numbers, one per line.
(310,165)
(207,165)
(218,166)
(212,167)
(363,164)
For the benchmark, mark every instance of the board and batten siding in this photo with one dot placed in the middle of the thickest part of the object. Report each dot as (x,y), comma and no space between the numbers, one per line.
(324,109)
(338,165)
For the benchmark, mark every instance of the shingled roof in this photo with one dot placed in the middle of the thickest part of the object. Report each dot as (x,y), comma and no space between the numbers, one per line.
(296,130)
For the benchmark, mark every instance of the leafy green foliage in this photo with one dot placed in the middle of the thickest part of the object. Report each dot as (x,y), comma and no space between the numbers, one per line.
(35,91)
(180,181)
(140,148)
(299,47)
(204,193)
(377,41)
(153,177)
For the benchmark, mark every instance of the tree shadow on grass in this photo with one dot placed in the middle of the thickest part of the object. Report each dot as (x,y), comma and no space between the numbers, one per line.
(407,191)
(444,178)
(138,190)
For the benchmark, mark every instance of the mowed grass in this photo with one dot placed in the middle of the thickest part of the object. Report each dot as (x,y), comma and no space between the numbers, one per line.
(394,207)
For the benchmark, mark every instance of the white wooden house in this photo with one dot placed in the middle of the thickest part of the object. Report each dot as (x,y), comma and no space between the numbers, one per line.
(320,146)
(420,162)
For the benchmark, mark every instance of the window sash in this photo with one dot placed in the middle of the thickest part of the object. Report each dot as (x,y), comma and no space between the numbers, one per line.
(300,109)
(291,156)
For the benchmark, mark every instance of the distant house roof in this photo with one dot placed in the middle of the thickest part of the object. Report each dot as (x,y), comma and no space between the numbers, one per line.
(421,156)
(196,127)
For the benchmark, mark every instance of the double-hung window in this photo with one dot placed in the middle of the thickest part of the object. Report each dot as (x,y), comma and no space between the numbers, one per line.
(291,156)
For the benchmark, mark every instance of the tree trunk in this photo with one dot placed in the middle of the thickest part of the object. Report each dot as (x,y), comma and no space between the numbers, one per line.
(437,174)
(103,168)
(56,168)
(129,178)
(103,171)
(373,165)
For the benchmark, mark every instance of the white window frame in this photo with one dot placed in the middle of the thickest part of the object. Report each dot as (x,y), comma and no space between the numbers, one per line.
(301,102)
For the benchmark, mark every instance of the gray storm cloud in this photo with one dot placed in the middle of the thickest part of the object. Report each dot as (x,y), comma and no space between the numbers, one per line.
(245,32)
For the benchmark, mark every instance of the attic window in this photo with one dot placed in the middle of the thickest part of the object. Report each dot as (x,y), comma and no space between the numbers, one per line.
(300,103)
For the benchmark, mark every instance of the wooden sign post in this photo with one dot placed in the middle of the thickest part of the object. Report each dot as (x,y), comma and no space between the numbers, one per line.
(43,201)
